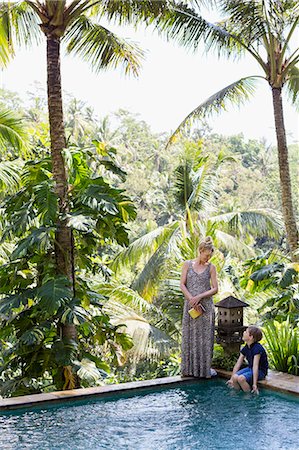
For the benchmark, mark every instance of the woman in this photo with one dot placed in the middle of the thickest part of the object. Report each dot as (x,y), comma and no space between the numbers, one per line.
(198,284)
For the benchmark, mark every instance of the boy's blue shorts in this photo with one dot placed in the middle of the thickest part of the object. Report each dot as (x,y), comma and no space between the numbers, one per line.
(248,374)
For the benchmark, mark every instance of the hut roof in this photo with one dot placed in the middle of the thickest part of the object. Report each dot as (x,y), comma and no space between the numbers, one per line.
(231,302)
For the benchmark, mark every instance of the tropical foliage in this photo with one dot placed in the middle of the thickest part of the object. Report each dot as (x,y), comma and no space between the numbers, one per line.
(266,31)
(85,293)
(282,341)
(156,257)
(77,24)
(275,280)
(36,301)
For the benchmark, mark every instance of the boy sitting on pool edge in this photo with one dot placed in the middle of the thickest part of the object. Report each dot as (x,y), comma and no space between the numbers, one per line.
(246,379)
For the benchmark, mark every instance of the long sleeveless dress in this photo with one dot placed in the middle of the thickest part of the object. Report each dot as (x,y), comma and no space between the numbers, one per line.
(198,334)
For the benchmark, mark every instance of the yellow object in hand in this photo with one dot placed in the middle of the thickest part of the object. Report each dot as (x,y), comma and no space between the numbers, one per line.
(194,314)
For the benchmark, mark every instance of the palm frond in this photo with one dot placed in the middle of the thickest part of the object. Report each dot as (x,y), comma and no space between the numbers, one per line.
(10,174)
(133,12)
(258,222)
(5,50)
(142,247)
(235,94)
(235,246)
(102,48)
(188,28)
(20,23)
(126,296)
(293,86)
(171,301)
(203,196)
(149,341)
(183,183)
(12,131)
(152,273)
(247,20)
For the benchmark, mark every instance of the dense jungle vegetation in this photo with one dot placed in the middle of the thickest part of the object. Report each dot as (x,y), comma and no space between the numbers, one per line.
(138,209)
(98,213)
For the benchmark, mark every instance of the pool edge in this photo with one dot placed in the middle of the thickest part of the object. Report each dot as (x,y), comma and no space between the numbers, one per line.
(84,393)
(276,381)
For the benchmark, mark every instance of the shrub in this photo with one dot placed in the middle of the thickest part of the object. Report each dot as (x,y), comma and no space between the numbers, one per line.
(222,360)
(282,344)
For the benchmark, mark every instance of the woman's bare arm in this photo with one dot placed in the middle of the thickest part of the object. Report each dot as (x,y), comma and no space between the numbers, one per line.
(185,291)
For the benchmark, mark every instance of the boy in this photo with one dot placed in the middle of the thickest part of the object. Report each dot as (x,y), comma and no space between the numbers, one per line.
(257,362)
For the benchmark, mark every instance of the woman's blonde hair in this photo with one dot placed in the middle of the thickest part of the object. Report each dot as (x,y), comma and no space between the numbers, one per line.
(206,244)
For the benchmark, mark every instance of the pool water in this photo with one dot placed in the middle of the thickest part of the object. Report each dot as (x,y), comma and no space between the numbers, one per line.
(203,415)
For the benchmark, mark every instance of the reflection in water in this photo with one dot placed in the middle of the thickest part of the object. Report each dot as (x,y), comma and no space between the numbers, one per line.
(205,415)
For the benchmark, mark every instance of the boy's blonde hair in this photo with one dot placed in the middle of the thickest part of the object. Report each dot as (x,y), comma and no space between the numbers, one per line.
(256,332)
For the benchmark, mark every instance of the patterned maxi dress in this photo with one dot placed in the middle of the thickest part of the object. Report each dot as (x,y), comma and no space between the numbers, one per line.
(198,334)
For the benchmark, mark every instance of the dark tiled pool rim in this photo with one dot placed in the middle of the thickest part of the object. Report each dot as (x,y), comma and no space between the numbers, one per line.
(277,381)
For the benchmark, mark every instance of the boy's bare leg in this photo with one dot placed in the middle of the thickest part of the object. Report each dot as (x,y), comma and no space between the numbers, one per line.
(243,383)
(235,383)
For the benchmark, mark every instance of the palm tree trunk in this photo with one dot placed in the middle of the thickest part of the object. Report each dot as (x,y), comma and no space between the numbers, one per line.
(63,238)
(284,173)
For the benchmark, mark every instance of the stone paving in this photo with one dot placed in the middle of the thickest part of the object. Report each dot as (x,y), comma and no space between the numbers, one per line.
(276,380)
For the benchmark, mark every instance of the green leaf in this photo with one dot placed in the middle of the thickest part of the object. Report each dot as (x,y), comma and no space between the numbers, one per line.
(12,302)
(12,130)
(46,200)
(112,167)
(288,278)
(87,370)
(80,222)
(293,85)
(75,314)
(32,338)
(38,240)
(53,294)
(65,352)
(10,174)
(102,48)
(266,272)
(235,93)
(258,222)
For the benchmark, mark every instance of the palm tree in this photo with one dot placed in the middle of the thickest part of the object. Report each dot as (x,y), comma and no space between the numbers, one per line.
(75,23)
(263,29)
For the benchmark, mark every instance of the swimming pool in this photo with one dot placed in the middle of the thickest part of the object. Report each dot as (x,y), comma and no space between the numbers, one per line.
(202,415)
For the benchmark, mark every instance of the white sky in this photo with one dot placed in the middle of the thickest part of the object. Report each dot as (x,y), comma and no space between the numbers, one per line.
(172,82)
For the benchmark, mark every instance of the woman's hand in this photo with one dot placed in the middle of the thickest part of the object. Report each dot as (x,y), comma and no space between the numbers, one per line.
(192,301)
(255,389)
(198,307)
(198,298)
(196,302)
